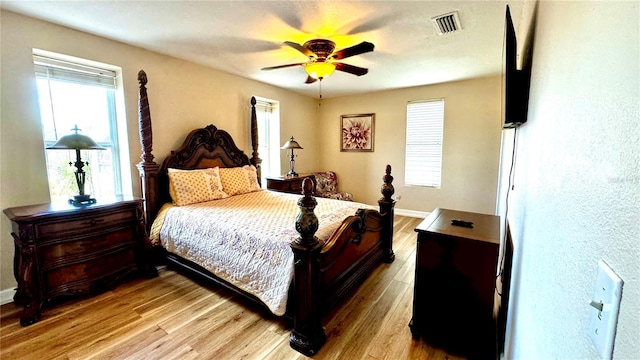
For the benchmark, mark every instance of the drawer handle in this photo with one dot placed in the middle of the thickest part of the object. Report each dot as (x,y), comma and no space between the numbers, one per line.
(92,222)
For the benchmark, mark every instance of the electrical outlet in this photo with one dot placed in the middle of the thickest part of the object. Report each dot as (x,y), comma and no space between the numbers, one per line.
(604,309)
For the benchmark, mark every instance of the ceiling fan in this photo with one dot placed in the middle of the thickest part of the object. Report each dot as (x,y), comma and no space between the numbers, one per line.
(322,58)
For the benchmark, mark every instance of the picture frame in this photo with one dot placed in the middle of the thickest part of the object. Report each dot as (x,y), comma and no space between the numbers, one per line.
(357,132)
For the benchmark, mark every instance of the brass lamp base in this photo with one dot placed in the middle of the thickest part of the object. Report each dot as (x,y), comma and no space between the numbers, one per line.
(79,200)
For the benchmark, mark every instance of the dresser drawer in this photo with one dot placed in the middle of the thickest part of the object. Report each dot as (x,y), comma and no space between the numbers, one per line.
(83,224)
(295,187)
(58,253)
(59,279)
(291,185)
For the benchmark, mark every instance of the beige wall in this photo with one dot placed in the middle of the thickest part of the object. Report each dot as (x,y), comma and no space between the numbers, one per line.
(472,130)
(182,96)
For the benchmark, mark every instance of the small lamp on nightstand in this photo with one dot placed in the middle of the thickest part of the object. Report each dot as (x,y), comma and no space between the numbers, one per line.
(78,142)
(291,144)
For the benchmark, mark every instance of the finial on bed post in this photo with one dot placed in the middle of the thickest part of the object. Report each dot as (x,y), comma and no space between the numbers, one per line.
(147,168)
(144,119)
(307,335)
(255,158)
(387,204)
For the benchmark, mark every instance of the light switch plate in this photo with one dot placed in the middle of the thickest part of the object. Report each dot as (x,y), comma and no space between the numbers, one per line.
(602,325)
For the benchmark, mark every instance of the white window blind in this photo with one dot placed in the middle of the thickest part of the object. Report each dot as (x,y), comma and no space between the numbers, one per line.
(61,70)
(423,152)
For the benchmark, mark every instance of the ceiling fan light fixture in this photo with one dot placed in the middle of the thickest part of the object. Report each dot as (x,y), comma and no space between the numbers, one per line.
(319,70)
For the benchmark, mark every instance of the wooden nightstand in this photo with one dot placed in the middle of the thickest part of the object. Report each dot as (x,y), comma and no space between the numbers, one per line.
(63,250)
(455,282)
(292,185)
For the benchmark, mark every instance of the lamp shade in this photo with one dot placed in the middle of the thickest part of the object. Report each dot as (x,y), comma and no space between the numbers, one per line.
(291,144)
(319,70)
(77,142)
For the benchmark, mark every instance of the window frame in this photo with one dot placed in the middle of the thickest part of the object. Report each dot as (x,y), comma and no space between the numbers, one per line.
(64,68)
(270,129)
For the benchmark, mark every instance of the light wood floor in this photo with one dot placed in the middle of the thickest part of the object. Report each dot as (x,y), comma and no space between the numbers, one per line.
(174,317)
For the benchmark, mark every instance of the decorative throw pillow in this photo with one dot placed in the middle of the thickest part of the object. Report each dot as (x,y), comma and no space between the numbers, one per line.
(216,184)
(190,187)
(234,181)
(210,177)
(252,176)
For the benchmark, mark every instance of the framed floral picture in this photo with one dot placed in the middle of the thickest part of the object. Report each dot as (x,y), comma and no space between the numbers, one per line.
(357,132)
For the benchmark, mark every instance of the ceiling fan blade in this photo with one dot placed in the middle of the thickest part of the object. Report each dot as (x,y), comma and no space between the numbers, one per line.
(310,80)
(355,70)
(308,53)
(281,66)
(361,48)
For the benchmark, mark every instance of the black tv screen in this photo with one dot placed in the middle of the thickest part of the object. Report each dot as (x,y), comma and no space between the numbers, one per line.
(515,82)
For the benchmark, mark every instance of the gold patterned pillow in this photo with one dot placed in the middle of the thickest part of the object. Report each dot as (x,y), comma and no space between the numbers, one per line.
(190,187)
(234,181)
(194,186)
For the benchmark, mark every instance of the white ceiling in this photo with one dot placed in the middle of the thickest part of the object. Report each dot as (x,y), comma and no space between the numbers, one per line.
(241,37)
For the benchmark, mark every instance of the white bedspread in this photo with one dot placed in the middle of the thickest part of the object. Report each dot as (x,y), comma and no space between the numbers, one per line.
(244,239)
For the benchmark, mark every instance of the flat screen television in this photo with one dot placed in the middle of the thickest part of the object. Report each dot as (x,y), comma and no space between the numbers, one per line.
(515,82)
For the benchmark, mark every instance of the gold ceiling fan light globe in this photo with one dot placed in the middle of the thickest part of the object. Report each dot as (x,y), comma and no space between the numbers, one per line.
(319,70)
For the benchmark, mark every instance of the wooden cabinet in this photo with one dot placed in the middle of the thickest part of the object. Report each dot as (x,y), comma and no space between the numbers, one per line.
(455,282)
(63,250)
(286,184)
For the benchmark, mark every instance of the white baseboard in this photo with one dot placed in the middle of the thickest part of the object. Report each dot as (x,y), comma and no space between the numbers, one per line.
(6,296)
(409,213)
(412,213)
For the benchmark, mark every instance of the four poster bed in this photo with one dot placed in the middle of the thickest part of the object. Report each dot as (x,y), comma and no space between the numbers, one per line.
(300,255)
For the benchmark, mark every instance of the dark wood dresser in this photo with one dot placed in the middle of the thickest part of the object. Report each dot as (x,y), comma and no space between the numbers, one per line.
(63,250)
(455,282)
(287,184)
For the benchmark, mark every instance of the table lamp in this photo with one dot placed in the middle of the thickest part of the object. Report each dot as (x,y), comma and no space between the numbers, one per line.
(78,142)
(291,144)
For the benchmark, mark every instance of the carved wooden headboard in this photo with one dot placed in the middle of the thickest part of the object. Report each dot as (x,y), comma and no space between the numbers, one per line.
(203,148)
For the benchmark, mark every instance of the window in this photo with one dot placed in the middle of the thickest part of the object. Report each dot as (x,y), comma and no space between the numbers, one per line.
(73,94)
(423,153)
(268,117)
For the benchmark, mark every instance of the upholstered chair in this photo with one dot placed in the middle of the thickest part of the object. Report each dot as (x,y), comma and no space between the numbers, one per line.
(327,186)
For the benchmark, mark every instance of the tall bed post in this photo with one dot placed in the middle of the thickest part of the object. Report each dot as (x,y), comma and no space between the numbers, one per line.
(387,204)
(307,335)
(147,168)
(255,158)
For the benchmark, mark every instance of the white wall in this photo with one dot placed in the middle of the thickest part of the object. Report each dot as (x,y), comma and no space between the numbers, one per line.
(577,180)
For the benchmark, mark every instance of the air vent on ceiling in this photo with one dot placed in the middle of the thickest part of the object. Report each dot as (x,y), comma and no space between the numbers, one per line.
(447,23)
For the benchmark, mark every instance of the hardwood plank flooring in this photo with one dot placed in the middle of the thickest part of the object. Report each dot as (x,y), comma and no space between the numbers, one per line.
(175,317)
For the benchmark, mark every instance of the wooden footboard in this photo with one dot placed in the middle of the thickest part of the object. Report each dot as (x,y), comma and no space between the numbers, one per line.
(324,273)
(349,255)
